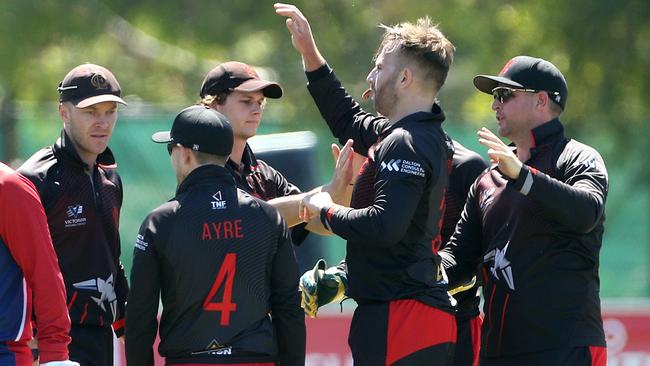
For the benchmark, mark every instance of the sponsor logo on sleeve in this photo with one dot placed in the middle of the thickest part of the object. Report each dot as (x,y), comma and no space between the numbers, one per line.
(140,243)
(403,166)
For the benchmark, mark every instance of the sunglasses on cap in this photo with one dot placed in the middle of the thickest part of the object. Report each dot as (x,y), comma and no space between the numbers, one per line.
(504,94)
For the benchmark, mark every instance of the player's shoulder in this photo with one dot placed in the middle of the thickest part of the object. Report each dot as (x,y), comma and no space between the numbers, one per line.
(162,216)
(14,185)
(575,147)
(257,206)
(465,158)
(11,179)
(37,167)
(247,200)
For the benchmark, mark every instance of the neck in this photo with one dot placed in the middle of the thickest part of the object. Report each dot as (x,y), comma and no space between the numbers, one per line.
(411,104)
(524,141)
(238,147)
(88,159)
(523,144)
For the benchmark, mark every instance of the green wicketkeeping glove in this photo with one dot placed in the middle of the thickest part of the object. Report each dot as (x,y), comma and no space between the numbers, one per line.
(321,286)
(464,286)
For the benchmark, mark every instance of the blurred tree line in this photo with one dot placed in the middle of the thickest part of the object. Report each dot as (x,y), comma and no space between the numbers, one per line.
(160,51)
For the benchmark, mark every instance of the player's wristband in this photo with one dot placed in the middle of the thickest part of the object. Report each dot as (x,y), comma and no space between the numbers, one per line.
(325,215)
(524,181)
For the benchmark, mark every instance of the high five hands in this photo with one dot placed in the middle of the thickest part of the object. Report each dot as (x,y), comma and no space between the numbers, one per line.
(313,203)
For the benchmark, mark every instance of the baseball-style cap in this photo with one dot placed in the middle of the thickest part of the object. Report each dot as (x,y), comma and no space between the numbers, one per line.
(89,84)
(199,128)
(233,75)
(528,73)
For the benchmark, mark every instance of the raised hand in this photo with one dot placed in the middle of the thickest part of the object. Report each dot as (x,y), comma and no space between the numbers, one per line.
(500,153)
(343,176)
(301,35)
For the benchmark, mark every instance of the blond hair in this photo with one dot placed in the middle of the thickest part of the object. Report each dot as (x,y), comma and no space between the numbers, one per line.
(421,44)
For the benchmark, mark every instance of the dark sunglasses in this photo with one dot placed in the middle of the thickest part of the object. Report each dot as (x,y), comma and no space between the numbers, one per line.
(170,147)
(504,94)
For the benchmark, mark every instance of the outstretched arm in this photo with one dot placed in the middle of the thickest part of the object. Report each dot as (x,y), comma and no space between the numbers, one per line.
(301,36)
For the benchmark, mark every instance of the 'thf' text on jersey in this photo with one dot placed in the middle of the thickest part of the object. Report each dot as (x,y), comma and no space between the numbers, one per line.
(538,239)
(223,265)
(83,210)
(393,227)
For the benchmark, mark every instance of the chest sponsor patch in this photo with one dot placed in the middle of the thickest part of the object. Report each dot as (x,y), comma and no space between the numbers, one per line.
(402,166)
(75,216)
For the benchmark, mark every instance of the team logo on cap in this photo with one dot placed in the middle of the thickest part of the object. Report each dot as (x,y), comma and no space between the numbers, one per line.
(250,72)
(99,81)
(506,67)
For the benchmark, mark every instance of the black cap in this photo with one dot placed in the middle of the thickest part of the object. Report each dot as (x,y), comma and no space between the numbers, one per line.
(199,128)
(529,73)
(89,84)
(233,75)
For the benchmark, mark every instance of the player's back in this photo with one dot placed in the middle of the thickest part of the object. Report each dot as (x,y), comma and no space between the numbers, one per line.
(216,249)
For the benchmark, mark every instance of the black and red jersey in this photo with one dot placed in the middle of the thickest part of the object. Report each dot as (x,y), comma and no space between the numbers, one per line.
(393,227)
(262,181)
(538,240)
(30,280)
(258,178)
(465,168)
(223,265)
(83,211)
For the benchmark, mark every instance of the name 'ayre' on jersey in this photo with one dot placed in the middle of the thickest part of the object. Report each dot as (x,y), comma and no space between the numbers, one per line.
(229,229)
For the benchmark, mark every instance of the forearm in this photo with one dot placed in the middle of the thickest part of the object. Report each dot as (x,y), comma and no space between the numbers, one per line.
(341,112)
(140,333)
(289,207)
(315,225)
(375,224)
(312,60)
(578,207)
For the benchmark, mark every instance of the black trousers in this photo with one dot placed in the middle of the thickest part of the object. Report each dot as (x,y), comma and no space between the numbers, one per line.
(468,341)
(567,356)
(91,345)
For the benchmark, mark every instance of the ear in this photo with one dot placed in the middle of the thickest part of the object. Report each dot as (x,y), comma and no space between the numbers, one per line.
(64,113)
(542,100)
(405,77)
